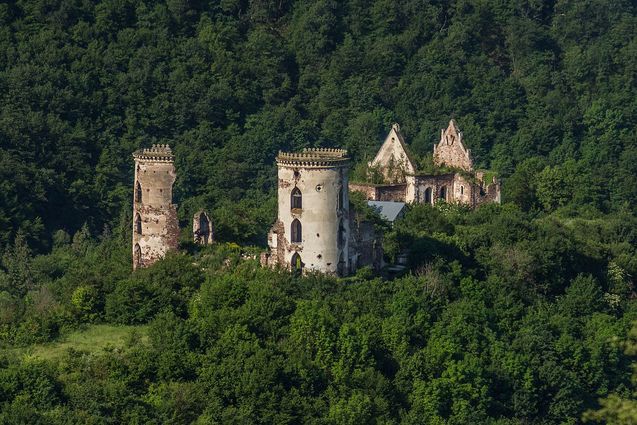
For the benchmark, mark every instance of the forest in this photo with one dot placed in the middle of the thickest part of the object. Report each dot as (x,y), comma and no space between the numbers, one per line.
(519,313)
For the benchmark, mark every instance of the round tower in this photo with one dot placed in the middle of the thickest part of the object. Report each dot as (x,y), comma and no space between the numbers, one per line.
(312,230)
(155,224)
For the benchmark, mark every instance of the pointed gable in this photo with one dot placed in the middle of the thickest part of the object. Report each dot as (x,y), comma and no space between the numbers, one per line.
(451,151)
(393,158)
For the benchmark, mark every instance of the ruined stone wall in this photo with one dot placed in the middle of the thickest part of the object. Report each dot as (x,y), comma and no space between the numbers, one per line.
(394,192)
(451,151)
(366,248)
(368,190)
(457,189)
(155,223)
(463,190)
(492,193)
(202,232)
(376,192)
(431,188)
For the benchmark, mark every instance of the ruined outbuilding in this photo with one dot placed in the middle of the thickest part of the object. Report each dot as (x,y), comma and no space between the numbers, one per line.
(155,224)
(404,183)
(202,228)
(315,229)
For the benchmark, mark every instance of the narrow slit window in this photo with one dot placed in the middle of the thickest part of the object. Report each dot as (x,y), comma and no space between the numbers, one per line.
(138,192)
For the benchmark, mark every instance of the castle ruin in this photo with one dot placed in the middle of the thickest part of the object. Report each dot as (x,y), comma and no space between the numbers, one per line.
(315,229)
(155,224)
(402,182)
(202,228)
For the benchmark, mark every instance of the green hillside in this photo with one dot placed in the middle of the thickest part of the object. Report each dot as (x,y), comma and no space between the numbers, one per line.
(517,313)
(544,92)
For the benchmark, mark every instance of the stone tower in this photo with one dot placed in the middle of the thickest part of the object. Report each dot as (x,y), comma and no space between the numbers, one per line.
(155,224)
(312,228)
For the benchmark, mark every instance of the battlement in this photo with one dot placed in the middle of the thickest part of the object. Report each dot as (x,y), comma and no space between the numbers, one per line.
(314,157)
(157,153)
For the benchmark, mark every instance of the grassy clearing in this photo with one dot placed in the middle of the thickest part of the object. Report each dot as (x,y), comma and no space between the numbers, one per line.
(92,339)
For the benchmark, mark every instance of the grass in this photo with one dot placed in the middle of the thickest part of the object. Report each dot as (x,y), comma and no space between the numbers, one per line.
(92,339)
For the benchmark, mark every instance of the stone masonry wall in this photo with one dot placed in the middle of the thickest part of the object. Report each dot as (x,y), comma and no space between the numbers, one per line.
(451,151)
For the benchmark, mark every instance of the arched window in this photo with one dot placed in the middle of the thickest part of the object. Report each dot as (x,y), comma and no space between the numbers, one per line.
(428,195)
(296,199)
(296,231)
(462,190)
(137,256)
(138,224)
(138,192)
(443,193)
(296,264)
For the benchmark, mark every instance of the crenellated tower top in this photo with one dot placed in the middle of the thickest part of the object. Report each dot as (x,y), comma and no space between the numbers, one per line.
(314,157)
(156,153)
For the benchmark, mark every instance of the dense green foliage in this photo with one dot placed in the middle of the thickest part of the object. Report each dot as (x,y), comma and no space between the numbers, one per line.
(505,318)
(544,91)
(506,314)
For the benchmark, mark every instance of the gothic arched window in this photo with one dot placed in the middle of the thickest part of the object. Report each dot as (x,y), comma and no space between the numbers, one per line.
(443,193)
(296,232)
(296,199)
(138,224)
(428,195)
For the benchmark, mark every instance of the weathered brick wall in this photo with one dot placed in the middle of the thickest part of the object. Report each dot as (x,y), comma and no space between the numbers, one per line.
(155,223)
(492,193)
(451,150)
(160,232)
(436,185)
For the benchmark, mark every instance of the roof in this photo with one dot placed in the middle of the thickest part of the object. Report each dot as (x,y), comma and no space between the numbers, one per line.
(388,210)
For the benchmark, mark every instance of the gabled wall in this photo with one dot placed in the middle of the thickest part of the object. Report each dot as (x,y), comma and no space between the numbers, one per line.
(451,151)
(393,158)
